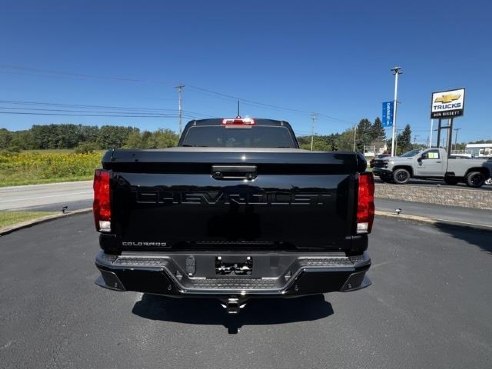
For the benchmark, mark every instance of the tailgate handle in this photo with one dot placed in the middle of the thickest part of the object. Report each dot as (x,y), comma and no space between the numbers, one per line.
(224,172)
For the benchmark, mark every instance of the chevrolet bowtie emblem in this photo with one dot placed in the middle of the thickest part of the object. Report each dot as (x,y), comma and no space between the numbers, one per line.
(447,98)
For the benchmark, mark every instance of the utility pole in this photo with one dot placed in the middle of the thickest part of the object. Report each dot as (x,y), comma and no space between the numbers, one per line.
(314,116)
(456,138)
(355,134)
(180,107)
(396,71)
(430,134)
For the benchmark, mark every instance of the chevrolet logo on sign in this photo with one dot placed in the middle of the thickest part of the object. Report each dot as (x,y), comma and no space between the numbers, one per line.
(448,104)
(447,98)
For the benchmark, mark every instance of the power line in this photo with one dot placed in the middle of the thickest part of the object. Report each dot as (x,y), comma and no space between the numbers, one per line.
(82,106)
(82,111)
(245,101)
(257,103)
(194,114)
(28,109)
(69,74)
(52,73)
(92,115)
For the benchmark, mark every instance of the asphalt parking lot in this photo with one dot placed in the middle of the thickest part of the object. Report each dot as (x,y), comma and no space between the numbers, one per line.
(428,307)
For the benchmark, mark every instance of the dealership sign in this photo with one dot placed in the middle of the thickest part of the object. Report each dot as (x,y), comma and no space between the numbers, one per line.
(448,104)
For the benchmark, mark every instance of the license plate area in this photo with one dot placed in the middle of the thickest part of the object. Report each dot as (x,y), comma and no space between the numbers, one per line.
(233,265)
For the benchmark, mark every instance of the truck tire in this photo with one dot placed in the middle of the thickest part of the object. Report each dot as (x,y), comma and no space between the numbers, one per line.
(450,180)
(475,179)
(401,176)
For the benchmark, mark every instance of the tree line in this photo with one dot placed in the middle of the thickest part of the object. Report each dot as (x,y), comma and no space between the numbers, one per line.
(365,133)
(85,138)
(89,138)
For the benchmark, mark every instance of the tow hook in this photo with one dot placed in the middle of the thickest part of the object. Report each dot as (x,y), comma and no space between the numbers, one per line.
(233,305)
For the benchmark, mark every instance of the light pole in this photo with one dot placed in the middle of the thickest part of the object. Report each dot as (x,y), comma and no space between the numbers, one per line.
(430,134)
(314,116)
(180,106)
(355,134)
(396,140)
(396,71)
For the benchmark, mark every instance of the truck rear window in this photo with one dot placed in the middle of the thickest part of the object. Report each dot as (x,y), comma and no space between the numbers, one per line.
(248,136)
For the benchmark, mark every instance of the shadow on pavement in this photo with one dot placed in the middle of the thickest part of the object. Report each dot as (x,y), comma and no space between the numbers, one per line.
(478,237)
(256,311)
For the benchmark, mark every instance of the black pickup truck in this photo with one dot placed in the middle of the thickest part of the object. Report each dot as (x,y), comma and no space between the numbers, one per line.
(236,211)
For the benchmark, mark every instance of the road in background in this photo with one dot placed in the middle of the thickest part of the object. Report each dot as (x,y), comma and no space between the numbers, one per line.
(428,307)
(47,197)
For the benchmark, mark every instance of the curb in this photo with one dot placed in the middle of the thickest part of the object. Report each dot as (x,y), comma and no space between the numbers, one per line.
(48,218)
(433,221)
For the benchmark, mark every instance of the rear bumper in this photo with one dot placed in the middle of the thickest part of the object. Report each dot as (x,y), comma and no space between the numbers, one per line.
(196,274)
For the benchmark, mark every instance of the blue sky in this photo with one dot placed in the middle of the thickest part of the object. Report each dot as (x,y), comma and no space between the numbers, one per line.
(72,61)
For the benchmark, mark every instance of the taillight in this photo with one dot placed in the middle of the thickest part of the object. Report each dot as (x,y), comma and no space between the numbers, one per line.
(365,203)
(102,201)
(239,120)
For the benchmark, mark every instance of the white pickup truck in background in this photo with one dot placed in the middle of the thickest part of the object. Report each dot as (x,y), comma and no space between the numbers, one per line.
(433,163)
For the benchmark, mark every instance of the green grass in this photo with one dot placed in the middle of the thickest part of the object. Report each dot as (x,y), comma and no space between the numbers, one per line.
(8,218)
(20,181)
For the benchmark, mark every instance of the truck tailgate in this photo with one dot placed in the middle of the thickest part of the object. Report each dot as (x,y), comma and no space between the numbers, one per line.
(208,198)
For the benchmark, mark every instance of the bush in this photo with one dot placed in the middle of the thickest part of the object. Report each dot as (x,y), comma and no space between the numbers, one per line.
(86,148)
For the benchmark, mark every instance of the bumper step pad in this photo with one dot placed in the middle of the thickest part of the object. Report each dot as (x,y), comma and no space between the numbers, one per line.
(286,274)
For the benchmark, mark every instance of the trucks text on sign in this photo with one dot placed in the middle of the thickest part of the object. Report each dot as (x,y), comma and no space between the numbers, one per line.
(448,104)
